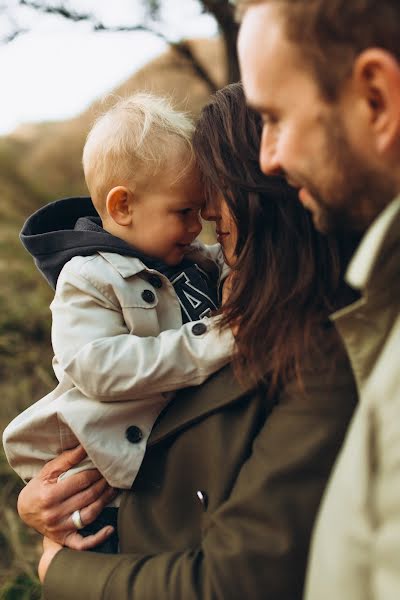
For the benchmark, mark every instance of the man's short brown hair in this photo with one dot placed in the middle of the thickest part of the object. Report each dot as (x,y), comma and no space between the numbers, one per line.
(331,33)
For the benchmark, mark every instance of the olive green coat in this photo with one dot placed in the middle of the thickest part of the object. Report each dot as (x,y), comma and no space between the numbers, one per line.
(226,497)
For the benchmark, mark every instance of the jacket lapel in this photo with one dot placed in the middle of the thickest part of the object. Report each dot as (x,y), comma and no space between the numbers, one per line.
(191,404)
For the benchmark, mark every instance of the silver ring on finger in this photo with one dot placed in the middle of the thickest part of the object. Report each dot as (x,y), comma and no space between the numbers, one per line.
(76,519)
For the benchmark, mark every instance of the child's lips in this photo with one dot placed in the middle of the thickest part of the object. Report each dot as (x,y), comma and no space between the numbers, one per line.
(184,246)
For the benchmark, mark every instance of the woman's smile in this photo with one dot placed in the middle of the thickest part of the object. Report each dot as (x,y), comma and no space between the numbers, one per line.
(221,235)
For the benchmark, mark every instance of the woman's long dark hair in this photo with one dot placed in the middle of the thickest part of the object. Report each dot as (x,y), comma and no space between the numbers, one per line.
(288,277)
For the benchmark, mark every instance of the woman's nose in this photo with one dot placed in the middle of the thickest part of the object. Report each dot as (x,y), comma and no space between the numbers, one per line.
(208,212)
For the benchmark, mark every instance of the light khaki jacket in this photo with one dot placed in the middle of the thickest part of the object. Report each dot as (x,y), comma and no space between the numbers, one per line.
(118,350)
(356,548)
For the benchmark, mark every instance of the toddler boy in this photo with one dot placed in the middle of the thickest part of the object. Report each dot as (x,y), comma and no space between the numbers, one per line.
(129,281)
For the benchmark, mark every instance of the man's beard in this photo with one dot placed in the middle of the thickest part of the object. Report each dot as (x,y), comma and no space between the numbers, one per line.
(356,192)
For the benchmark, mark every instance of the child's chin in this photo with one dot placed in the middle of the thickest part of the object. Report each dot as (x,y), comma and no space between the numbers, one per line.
(173,260)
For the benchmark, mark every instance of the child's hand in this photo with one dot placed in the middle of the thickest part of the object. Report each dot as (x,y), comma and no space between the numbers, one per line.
(50,549)
(46,504)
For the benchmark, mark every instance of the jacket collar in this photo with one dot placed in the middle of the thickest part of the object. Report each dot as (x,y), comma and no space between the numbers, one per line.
(126,266)
(191,404)
(376,261)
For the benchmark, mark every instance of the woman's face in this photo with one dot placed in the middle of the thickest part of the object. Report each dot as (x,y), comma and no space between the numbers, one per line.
(217,210)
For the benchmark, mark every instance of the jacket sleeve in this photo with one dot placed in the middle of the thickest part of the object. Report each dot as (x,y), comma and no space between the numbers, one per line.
(256,543)
(104,362)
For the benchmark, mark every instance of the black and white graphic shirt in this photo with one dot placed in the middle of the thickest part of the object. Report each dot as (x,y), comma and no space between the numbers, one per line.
(196,289)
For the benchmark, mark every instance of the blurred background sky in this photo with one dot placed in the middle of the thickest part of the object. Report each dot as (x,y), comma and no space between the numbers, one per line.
(58,67)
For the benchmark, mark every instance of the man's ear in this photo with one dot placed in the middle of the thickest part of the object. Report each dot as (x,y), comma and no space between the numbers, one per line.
(376,73)
(119,205)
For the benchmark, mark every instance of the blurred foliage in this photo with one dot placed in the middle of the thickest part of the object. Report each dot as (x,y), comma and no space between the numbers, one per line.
(25,363)
(19,546)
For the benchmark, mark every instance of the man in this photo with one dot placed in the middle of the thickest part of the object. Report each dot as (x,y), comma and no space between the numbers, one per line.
(325,76)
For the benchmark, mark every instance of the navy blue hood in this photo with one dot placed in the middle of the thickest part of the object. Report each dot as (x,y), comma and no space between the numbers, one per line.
(66,228)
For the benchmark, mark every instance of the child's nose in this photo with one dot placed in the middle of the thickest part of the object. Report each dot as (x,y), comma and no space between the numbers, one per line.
(195,224)
(208,212)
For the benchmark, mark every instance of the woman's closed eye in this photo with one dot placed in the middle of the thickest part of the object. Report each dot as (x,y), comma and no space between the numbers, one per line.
(190,211)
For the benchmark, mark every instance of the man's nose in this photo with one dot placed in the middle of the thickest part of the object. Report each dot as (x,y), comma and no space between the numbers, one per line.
(269,160)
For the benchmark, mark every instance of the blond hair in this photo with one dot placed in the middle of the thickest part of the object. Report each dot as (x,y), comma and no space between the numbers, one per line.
(133,141)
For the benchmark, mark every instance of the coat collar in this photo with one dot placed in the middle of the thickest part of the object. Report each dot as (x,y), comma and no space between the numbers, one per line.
(126,266)
(376,261)
(191,404)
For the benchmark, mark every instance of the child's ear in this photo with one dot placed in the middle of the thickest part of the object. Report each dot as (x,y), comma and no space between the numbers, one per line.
(119,205)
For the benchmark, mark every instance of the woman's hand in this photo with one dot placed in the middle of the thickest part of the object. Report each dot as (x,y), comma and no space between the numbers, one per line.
(46,504)
(50,549)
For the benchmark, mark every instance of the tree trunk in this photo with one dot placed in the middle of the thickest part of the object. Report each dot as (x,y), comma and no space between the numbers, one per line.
(224,14)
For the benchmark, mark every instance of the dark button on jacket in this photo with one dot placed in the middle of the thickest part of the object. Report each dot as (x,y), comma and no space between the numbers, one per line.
(133,434)
(148,296)
(199,328)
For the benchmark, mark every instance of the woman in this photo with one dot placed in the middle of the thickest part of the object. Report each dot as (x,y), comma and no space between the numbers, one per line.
(225,500)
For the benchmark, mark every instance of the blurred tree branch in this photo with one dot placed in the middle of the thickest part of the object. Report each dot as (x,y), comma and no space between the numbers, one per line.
(221,10)
(224,13)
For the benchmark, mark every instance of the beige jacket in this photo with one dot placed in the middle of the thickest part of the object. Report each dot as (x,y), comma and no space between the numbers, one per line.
(119,350)
(356,547)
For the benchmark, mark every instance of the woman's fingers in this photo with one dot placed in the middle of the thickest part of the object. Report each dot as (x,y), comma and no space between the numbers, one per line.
(76,484)
(59,525)
(42,503)
(94,497)
(76,541)
(90,512)
(47,504)
(65,461)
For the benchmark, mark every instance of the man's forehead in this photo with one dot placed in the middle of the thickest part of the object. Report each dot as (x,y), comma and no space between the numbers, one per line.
(261,22)
(263,50)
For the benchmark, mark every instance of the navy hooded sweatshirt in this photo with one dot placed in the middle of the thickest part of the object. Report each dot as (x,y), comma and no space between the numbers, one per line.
(70,227)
